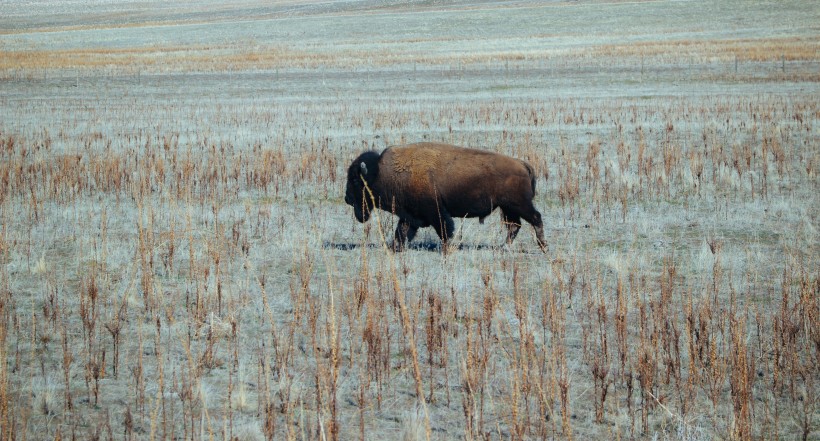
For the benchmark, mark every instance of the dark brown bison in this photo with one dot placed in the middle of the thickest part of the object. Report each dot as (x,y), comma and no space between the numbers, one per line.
(428,184)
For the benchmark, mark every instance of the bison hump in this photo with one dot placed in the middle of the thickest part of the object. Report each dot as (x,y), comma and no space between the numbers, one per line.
(413,168)
(417,160)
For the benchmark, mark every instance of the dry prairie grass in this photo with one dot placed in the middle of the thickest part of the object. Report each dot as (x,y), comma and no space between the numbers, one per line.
(204,297)
(262,57)
(178,59)
(177,261)
(758,50)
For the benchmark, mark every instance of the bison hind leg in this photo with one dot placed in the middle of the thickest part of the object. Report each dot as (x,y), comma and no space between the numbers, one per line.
(512,218)
(533,217)
(513,223)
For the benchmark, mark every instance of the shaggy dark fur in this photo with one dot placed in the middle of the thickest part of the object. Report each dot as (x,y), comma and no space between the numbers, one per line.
(428,184)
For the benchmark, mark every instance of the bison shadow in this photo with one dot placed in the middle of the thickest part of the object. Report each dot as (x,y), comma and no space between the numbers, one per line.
(415,246)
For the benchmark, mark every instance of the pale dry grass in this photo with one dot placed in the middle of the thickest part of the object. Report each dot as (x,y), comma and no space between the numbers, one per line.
(250,56)
(177,261)
(758,50)
(227,293)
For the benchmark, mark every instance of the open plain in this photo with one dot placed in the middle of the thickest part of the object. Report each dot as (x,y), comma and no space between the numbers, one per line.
(177,260)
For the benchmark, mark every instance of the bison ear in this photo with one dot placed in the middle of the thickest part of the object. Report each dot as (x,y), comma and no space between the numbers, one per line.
(363,166)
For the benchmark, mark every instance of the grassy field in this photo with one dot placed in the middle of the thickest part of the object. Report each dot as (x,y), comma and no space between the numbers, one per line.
(178,261)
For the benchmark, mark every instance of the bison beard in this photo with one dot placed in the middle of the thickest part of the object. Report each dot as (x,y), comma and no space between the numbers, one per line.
(428,184)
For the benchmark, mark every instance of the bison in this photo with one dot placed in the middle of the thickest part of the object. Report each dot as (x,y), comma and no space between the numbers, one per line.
(428,184)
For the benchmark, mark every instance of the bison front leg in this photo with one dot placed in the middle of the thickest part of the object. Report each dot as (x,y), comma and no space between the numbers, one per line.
(405,232)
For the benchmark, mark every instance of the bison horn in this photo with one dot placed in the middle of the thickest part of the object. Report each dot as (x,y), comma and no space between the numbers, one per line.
(364,168)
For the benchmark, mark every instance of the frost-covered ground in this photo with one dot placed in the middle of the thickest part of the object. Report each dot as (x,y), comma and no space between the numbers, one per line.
(183,164)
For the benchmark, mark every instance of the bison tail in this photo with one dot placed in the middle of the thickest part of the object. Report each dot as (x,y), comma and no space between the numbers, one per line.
(533,178)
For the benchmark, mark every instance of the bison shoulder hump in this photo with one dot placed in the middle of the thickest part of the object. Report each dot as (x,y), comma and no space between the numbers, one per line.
(415,159)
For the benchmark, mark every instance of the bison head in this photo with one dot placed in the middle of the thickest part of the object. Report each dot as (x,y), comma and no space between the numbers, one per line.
(364,169)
